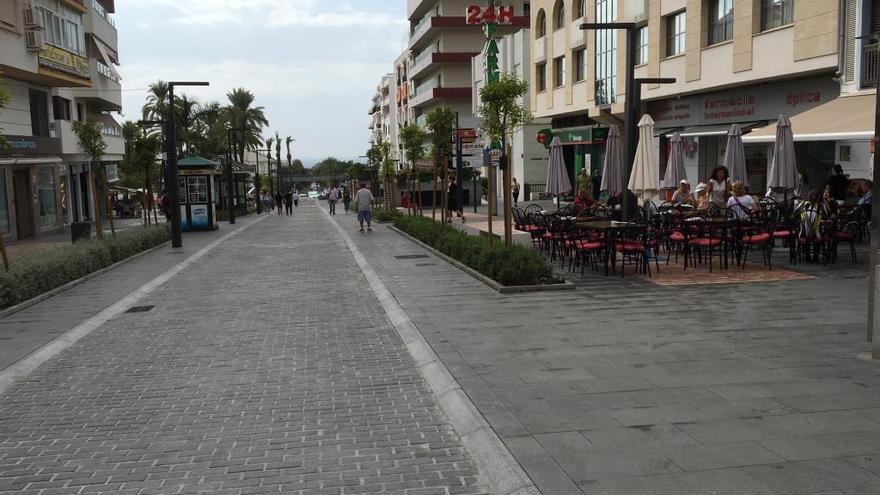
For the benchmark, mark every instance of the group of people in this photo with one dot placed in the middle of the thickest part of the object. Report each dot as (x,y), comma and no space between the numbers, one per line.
(720,191)
(280,202)
(335,194)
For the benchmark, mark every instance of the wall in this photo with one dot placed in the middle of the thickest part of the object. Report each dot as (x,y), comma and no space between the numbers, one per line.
(859,164)
(15,119)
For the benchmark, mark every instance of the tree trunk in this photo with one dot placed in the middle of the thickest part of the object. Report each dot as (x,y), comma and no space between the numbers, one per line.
(434,196)
(3,253)
(508,198)
(107,200)
(99,229)
(445,193)
(419,185)
(490,191)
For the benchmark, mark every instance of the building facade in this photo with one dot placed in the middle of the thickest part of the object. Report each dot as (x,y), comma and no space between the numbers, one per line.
(734,61)
(57,61)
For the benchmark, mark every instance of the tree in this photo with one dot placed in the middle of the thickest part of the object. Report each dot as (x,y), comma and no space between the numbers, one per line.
(243,115)
(269,142)
(412,138)
(157,101)
(297,168)
(441,122)
(91,141)
(287,141)
(4,100)
(140,164)
(278,162)
(208,134)
(503,114)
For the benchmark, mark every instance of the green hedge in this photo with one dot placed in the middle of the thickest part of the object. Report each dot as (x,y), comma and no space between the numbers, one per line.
(383,215)
(513,265)
(32,274)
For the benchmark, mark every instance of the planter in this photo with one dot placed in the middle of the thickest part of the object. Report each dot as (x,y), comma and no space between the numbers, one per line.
(503,289)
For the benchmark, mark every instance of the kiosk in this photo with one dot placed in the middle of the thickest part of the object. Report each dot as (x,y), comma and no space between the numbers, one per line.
(196,190)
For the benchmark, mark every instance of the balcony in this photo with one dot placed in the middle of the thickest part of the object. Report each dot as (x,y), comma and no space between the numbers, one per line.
(431,90)
(99,23)
(423,32)
(106,91)
(69,143)
(427,61)
(870,65)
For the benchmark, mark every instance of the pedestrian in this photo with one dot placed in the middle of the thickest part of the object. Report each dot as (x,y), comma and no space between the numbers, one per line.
(838,184)
(363,200)
(719,186)
(279,200)
(452,201)
(332,198)
(346,200)
(295,198)
(288,203)
(584,181)
(515,192)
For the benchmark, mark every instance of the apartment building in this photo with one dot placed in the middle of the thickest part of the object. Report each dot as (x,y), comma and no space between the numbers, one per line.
(442,45)
(384,114)
(57,61)
(734,61)
(528,157)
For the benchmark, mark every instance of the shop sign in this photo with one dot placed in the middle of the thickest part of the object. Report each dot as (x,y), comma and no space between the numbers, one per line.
(583,135)
(64,61)
(31,145)
(501,14)
(748,104)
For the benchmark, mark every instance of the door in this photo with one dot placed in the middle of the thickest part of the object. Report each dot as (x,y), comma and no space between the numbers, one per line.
(24,208)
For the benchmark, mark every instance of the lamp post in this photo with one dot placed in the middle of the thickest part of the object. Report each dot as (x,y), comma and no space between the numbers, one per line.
(171,150)
(633,98)
(230,177)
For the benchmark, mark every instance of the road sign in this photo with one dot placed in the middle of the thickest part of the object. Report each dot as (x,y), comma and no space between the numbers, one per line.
(492,157)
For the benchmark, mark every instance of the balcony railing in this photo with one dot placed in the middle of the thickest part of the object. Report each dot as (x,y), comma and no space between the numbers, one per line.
(425,20)
(100,10)
(870,65)
(427,86)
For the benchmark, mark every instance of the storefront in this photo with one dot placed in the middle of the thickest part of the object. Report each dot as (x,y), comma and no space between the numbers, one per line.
(704,120)
(582,147)
(30,188)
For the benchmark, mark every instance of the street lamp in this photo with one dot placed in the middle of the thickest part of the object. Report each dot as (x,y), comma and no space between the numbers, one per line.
(633,97)
(230,187)
(171,150)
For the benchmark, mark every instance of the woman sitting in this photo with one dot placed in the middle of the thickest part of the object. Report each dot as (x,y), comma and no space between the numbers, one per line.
(683,195)
(702,201)
(740,202)
(583,201)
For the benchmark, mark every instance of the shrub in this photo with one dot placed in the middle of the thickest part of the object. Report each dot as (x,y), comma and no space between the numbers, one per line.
(507,265)
(383,215)
(32,274)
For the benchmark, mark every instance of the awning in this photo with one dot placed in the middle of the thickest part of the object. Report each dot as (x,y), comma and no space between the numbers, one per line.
(845,117)
(108,61)
(710,130)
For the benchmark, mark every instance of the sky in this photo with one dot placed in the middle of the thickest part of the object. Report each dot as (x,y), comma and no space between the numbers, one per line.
(314,65)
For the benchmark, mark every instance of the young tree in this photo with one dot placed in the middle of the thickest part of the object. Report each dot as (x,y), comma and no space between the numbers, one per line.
(503,114)
(91,141)
(140,165)
(441,122)
(412,137)
(4,100)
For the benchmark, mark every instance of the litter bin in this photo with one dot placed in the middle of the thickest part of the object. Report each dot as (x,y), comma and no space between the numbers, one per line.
(80,230)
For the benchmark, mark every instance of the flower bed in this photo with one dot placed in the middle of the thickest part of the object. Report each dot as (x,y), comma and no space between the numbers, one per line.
(508,265)
(30,275)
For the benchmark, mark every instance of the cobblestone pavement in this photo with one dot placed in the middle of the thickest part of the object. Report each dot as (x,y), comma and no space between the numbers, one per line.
(628,388)
(267,366)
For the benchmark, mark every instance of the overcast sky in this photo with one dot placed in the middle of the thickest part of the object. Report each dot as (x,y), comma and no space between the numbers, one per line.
(313,64)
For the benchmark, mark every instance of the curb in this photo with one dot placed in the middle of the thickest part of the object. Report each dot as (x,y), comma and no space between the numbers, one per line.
(503,289)
(497,467)
(73,283)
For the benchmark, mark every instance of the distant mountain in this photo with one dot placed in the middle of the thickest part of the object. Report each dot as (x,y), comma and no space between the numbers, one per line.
(310,162)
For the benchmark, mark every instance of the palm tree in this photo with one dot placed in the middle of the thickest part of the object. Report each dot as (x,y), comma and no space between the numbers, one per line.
(208,136)
(185,112)
(289,140)
(278,160)
(269,142)
(243,115)
(157,101)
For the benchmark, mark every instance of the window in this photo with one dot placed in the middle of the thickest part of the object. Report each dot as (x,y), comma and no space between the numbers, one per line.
(64,26)
(559,15)
(542,77)
(39,103)
(540,24)
(640,51)
(60,108)
(720,21)
(580,65)
(675,34)
(606,54)
(80,112)
(775,13)
(559,71)
(580,9)
(46,196)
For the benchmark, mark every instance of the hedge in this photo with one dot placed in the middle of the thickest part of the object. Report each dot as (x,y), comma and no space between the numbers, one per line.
(32,274)
(383,215)
(507,265)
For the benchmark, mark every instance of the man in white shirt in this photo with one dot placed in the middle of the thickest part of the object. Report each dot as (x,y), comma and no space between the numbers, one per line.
(364,202)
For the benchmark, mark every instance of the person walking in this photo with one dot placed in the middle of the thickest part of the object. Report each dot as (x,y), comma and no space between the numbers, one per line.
(295,198)
(346,200)
(279,202)
(452,201)
(363,200)
(332,198)
(288,202)
(515,187)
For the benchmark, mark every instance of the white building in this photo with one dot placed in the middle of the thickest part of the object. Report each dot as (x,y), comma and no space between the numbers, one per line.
(57,60)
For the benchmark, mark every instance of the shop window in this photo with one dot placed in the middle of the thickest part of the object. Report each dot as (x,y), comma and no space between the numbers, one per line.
(675,34)
(776,13)
(580,65)
(46,196)
(4,204)
(720,21)
(559,72)
(61,108)
(541,76)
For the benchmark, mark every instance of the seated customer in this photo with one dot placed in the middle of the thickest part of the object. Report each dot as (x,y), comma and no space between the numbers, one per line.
(867,198)
(583,201)
(741,203)
(702,200)
(683,195)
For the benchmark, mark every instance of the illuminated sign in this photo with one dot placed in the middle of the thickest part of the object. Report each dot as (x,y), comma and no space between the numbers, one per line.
(490,15)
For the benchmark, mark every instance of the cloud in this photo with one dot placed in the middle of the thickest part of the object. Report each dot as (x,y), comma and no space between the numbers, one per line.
(274,13)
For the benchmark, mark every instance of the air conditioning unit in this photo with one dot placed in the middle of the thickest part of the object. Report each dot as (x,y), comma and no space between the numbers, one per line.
(34,39)
(32,17)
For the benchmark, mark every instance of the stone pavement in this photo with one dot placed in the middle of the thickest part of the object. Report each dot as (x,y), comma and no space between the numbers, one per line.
(267,366)
(625,387)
